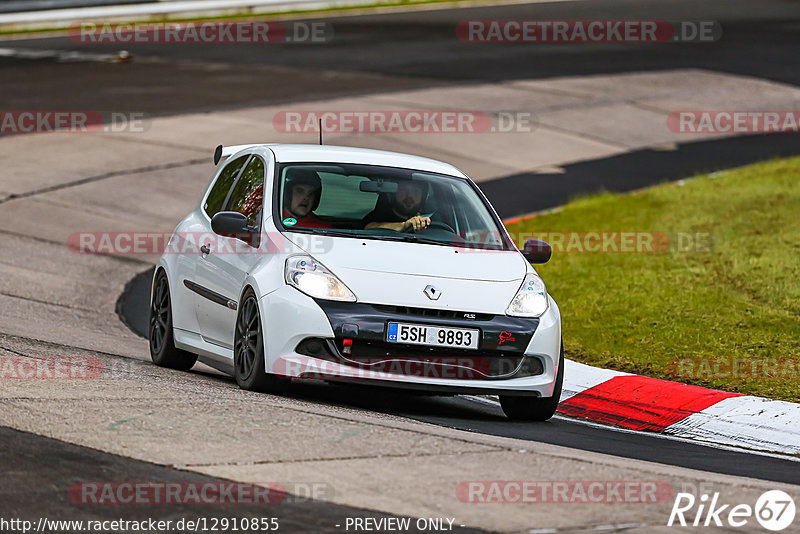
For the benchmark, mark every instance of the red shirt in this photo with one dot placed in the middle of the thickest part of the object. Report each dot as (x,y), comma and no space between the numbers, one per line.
(309,221)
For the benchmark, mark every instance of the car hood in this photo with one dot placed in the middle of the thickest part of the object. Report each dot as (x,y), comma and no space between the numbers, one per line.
(415,259)
(396,273)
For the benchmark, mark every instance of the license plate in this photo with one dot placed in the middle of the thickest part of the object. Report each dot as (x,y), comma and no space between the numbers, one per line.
(436,336)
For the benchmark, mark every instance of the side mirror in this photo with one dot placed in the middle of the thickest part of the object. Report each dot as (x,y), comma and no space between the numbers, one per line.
(229,222)
(537,251)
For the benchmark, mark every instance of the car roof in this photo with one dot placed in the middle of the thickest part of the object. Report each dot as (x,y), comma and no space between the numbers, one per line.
(367,156)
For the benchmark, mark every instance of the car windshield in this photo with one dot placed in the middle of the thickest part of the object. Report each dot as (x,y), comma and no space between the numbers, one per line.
(376,202)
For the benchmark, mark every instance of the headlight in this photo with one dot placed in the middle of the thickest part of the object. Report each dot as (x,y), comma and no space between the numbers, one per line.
(312,278)
(530,300)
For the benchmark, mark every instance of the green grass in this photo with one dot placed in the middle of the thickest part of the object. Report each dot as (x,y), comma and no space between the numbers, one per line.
(735,300)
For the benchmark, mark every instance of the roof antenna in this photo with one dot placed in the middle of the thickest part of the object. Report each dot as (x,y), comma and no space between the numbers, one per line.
(320,131)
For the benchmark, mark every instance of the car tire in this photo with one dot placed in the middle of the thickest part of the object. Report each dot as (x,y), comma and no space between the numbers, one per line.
(162,341)
(535,408)
(248,350)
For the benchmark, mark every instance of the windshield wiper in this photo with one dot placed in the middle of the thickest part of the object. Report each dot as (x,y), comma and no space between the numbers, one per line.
(393,237)
(334,233)
(325,231)
(416,238)
(407,238)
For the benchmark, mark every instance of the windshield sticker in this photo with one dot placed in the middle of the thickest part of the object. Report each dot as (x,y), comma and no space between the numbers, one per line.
(290,221)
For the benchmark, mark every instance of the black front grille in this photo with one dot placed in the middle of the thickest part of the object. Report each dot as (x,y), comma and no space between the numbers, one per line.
(428,362)
(439,314)
(436,362)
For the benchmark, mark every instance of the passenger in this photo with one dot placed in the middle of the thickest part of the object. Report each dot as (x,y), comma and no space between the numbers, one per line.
(401,211)
(251,207)
(302,193)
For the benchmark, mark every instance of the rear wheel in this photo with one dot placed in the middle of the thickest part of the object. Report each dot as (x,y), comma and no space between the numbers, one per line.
(248,350)
(162,342)
(535,408)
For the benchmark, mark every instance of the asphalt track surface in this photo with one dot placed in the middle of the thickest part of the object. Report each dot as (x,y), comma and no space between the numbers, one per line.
(44,471)
(380,53)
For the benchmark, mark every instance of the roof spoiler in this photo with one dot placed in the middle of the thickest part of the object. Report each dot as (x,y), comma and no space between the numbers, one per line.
(224,152)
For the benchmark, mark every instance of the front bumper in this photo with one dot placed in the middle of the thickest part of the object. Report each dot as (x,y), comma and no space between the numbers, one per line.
(515,355)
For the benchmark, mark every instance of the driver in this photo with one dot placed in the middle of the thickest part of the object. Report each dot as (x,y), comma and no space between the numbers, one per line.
(302,193)
(403,212)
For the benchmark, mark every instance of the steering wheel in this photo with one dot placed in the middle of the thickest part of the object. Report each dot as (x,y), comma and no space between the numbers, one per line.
(440,225)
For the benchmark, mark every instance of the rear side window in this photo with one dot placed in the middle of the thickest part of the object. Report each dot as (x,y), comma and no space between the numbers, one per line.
(247,196)
(219,192)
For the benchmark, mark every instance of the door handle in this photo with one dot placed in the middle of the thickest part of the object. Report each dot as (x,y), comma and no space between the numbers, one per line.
(205,250)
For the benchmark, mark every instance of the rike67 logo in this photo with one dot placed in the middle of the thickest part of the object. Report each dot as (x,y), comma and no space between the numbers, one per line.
(774,510)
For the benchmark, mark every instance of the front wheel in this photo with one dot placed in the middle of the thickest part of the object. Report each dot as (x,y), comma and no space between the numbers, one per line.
(248,350)
(162,343)
(535,408)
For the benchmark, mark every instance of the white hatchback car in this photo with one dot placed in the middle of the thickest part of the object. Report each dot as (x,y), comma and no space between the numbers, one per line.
(346,264)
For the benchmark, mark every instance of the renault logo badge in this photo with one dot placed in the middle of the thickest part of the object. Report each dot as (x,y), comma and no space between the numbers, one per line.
(432,292)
